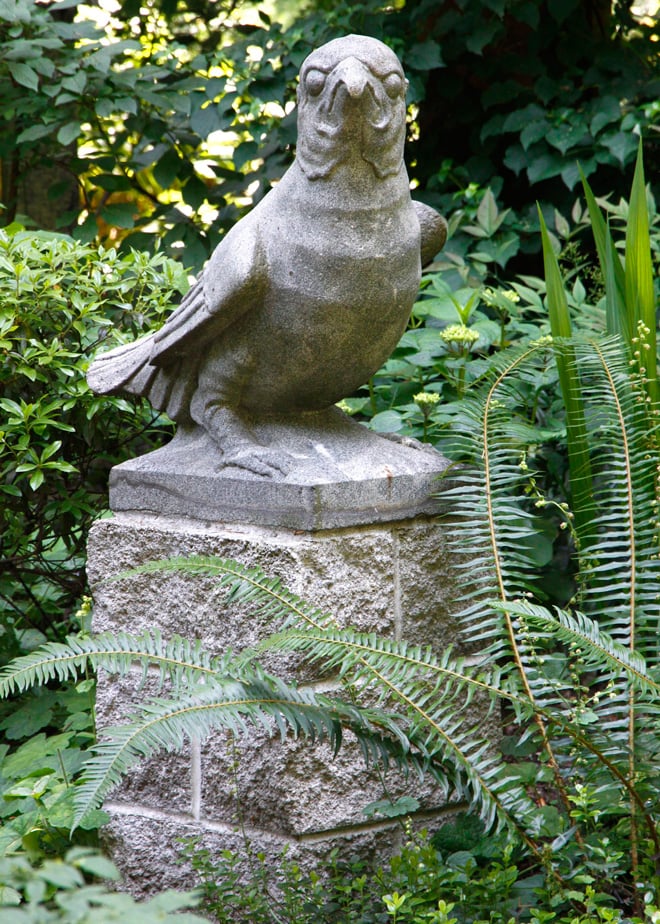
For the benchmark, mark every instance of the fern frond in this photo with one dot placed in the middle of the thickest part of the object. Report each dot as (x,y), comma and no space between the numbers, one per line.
(179,660)
(417,672)
(431,694)
(165,724)
(596,648)
(237,705)
(243,584)
(620,569)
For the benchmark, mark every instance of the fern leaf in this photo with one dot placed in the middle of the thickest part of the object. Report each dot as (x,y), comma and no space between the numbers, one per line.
(431,694)
(180,661)
(596,648)
(165,724)
(235,705)
(243,585)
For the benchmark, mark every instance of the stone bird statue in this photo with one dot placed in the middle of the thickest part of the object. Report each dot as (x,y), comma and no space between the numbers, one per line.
(307,296)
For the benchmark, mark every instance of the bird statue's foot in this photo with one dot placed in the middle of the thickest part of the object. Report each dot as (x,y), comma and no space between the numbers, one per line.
(238,445)
(258,459)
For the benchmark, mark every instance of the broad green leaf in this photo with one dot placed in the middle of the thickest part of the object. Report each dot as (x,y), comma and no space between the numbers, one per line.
(68,133)
(479,37)
(609,110)
(34,132)
(425,56)
(386,422)
(611,266)
(24,74)
(533,132)
(96,865)
(121,214)
(61,875)
(620,145)
(567,136)
(544,166)
(206,120)
(9,896)
(76,82)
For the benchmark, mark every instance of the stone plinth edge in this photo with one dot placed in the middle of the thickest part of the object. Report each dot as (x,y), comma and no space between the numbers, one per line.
(341,475)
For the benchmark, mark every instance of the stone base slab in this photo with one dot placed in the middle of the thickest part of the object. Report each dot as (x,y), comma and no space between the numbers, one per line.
(341,475)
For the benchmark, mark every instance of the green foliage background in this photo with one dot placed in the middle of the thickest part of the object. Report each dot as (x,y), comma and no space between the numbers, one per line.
(59,302)
(164,121)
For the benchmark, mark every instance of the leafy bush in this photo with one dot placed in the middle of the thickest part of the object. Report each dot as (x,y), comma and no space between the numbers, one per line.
(59,892)
(59,301)
(129,111)
(46,732)
(463,319)
(523,91)
(499,91)
(421,882)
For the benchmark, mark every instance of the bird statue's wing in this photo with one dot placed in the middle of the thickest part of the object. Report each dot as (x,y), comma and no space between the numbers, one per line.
(434,231)
(229,285)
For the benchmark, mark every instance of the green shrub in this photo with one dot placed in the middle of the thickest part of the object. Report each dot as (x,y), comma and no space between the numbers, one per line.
(415,885)
(46,733)
(500,91)
(60,301)
(63,891)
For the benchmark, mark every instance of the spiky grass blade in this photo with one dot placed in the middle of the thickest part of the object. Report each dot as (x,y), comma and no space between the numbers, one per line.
(640,295)
(618,320)
(576,426)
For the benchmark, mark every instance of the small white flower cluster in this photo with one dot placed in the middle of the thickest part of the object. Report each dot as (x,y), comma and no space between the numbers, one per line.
(493,297)
(459,333)
(426,399)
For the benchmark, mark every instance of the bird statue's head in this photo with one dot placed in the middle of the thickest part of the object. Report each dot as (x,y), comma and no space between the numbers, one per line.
(351,108)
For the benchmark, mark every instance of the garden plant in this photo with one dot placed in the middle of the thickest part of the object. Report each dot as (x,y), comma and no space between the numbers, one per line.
(546,483)
(60,301)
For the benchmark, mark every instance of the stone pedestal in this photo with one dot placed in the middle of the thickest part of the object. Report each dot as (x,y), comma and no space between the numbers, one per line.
(393,578)
(339,474)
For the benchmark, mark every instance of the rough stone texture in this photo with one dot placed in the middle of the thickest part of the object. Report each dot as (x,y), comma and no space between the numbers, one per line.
(150,784)
(147,848)
(296,790)
(302,301)
(382,577)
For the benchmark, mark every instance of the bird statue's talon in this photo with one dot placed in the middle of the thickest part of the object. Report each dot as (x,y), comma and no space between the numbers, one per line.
(259,460)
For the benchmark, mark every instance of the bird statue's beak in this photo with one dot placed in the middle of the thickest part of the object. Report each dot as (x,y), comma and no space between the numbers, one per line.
(353,75)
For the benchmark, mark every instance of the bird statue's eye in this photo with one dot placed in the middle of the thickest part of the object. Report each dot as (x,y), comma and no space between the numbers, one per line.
(393,84)
(314,82)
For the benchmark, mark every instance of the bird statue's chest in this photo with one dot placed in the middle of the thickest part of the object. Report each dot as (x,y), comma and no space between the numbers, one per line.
(336,260)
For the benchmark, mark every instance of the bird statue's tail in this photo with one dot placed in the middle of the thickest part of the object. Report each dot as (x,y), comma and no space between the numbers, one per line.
(126,368)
